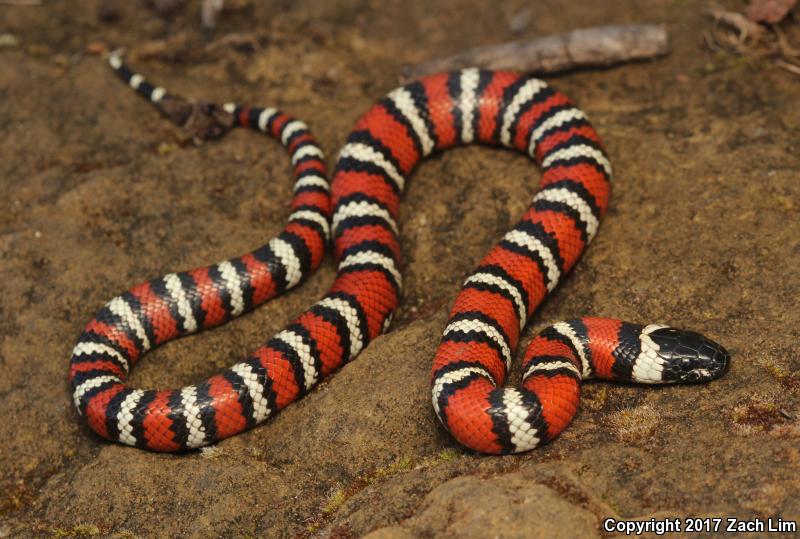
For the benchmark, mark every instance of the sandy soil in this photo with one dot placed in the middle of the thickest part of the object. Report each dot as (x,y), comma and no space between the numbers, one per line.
(97,194)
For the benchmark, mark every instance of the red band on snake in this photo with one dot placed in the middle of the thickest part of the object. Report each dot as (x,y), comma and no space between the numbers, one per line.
(412,122)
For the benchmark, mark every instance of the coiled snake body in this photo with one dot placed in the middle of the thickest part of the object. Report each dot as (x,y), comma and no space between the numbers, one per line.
(412,122)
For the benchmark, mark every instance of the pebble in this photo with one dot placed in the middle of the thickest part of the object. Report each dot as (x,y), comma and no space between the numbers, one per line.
(8,41)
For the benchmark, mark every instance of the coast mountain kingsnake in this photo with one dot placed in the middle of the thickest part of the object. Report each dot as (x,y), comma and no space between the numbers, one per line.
(359,213)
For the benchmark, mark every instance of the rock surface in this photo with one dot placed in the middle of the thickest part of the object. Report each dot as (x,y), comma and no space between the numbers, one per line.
(511,504)
(97,193)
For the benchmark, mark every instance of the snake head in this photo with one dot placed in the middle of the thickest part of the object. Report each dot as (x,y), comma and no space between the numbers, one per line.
(688,356)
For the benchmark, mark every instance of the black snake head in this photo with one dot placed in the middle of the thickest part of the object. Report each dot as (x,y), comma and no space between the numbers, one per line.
(689,357)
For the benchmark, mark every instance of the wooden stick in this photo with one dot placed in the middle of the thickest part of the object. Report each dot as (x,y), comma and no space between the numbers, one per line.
(791,68)
(588,47)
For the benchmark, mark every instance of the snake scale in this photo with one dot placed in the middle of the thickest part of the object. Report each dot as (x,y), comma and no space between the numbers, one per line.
(358,211)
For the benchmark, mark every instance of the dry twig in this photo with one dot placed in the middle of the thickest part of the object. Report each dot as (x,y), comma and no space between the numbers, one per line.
(736,34)
(188,47)
(786,49)
(589,47)
(234,40)
(746,29)
(791,68)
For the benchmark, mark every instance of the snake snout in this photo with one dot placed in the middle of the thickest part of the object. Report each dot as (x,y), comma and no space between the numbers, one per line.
(689,356)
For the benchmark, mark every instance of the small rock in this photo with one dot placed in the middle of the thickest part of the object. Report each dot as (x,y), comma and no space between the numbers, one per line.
(96,47)
(61,60)
(165,148)
(8,41)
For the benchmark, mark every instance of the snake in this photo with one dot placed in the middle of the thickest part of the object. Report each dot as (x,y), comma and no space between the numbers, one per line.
(358,212)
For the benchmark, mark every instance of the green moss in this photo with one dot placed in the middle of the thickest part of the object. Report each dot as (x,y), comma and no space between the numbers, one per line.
(447,455)
(336,500)
(774,369)
(758,414)
(789,380)
(381,474)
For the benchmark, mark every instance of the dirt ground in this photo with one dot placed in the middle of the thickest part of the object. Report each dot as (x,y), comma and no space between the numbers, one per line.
(97,193)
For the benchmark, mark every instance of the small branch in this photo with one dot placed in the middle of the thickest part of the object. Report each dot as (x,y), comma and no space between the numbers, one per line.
(234,40)
(787,50)
(791,68)
(745,28)
(589,47)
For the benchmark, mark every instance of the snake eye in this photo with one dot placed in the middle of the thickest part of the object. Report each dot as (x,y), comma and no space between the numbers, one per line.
(689,356)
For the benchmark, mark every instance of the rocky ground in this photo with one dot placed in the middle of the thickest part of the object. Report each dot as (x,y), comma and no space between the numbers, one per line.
(97,193)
